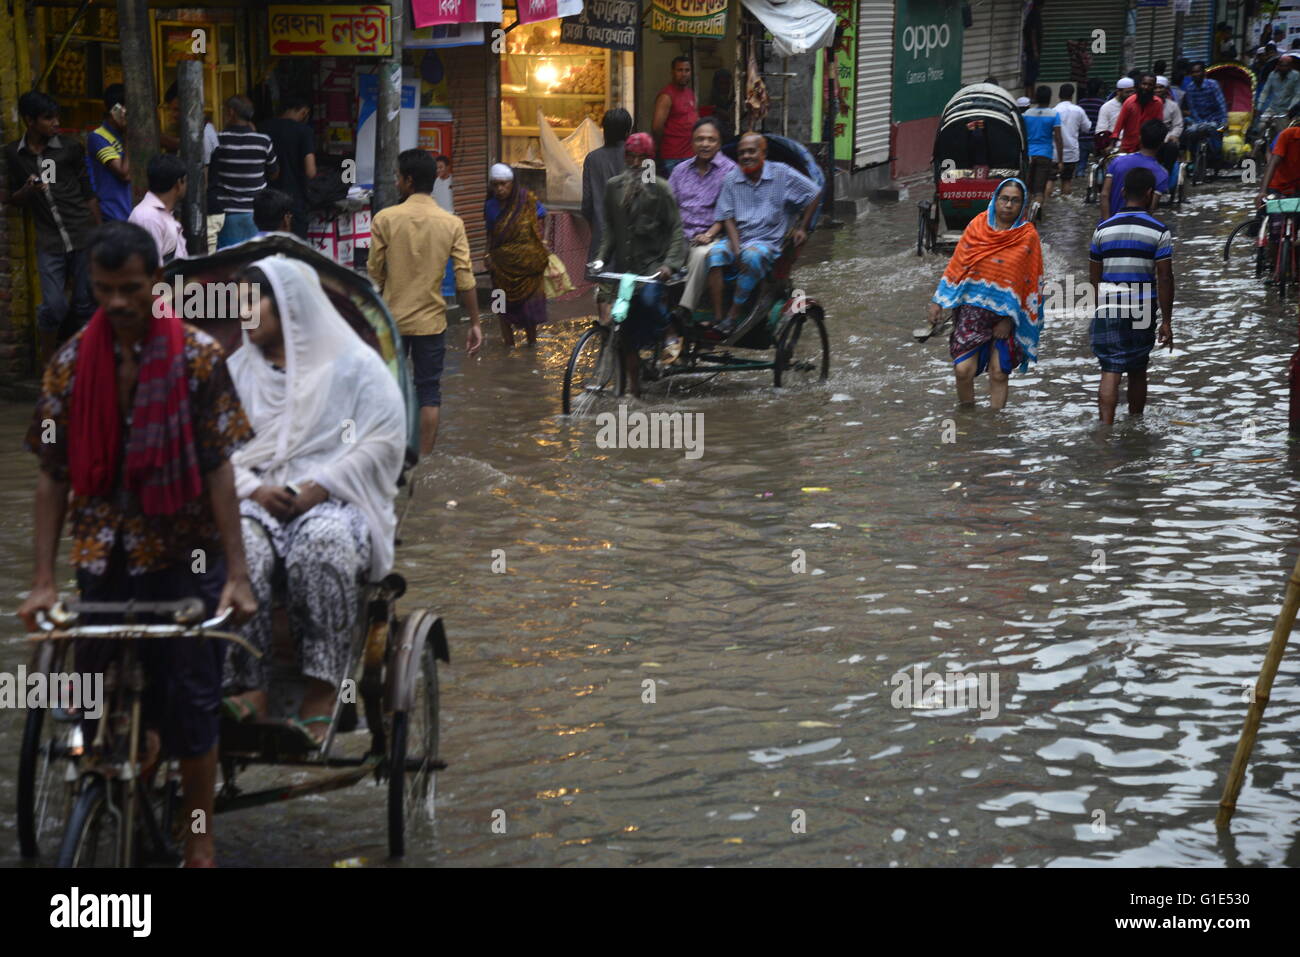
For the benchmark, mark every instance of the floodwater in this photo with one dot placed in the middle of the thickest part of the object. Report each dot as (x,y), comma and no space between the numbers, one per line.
(1121,587)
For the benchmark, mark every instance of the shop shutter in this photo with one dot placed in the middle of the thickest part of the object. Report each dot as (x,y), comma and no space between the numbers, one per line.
(991,47)
(1065,21)
(1198,31)
(469,137)
(873,101)
(1155,36)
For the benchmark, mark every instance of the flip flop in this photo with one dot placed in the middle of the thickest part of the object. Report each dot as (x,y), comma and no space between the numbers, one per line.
(301,725)
(922,333)
(237,709)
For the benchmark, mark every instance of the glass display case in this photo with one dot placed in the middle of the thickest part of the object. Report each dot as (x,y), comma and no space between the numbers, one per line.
(567,82)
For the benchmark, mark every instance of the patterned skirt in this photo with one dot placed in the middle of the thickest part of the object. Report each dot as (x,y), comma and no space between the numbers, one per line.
(972,334)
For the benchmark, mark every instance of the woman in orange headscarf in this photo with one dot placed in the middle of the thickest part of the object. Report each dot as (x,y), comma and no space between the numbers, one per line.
(993,284)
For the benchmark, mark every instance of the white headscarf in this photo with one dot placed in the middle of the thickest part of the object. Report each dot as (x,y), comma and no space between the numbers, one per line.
(335,416)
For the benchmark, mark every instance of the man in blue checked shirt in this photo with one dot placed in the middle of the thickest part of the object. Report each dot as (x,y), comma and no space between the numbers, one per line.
(757,205)
(1131,266)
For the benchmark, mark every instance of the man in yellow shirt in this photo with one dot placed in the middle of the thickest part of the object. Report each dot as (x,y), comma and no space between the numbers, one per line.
(410,244)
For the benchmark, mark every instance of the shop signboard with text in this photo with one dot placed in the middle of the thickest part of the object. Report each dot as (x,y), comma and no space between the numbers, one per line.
(613,24)
(704,19)
(427,13)
(927,57)
(353,30)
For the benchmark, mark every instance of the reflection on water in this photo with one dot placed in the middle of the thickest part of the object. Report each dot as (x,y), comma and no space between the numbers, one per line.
(1122,587)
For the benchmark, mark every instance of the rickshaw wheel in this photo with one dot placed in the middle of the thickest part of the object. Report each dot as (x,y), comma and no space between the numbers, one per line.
(797,360)
(39,776)
(414,737)
(593,372)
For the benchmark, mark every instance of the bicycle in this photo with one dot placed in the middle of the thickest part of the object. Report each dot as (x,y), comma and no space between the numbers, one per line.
(118,813)
(1278,255)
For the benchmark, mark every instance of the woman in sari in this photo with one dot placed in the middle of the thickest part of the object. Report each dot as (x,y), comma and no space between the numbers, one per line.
(316,484)
(516,257)
(993,284)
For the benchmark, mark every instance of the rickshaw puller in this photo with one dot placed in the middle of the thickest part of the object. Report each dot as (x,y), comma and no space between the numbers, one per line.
(139,417)
(643,235)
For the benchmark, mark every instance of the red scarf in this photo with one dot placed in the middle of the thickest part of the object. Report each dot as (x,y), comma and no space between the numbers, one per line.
(161,463)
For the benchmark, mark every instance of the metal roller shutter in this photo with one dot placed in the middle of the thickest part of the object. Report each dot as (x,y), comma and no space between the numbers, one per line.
(1198,31)
(469,137)
(1077,20)
(991,47)
(1155,36)
(873,101)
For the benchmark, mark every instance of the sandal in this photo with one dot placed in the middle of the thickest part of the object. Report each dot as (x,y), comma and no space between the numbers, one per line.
(303,727)
(238,709)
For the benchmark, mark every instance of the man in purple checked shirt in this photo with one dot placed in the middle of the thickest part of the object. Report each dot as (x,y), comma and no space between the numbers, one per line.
(696,185)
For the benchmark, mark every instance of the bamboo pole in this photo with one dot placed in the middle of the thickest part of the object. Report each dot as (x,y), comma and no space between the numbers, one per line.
(1255,713)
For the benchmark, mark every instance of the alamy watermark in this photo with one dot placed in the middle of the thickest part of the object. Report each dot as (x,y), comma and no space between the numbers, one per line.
(651,430)
(68,691)
(946,690)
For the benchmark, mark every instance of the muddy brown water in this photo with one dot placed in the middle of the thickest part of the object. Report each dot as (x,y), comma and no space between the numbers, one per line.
(1120,679)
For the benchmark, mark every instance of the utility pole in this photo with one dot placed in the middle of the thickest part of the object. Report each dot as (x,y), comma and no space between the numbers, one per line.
(388,122)
(189,83)
(141,97)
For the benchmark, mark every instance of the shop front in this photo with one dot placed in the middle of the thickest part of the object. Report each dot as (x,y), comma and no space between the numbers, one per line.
(927,72)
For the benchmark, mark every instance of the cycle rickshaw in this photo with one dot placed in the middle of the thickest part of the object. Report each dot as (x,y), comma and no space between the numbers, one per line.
(782,321)
(91,791)
(980,142)
(1238,85)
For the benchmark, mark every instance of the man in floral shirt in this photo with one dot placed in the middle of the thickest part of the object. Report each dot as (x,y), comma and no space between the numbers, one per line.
(138,418)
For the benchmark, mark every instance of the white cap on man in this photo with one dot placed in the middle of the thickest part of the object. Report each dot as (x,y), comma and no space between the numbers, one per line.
(1022,102)
(1162,81)
(1124,83)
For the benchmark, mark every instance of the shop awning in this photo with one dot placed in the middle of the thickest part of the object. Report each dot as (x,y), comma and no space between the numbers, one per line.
(797,26)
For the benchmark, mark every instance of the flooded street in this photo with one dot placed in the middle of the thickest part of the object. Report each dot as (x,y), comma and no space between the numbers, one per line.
(1121,587)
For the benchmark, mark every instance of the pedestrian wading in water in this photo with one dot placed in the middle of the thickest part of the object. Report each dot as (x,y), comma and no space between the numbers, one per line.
(993,284)
(1132,266)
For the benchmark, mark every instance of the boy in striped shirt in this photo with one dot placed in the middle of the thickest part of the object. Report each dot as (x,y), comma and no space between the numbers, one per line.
(241,166)
(1131,270)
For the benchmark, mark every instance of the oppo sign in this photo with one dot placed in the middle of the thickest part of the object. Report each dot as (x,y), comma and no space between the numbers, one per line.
(919,40)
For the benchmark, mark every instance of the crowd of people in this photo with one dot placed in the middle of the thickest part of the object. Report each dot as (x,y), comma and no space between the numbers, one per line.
(162,447)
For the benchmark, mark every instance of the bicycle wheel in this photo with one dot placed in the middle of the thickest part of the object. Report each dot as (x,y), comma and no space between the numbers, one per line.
(42,796)
(803,351)
(413,751)
(93,835)
(593,374)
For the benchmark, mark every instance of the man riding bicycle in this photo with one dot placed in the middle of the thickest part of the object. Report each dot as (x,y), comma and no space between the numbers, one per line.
(1205,113)
(137,419)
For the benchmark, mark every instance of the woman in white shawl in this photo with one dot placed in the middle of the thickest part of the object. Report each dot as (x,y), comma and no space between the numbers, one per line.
(316,484)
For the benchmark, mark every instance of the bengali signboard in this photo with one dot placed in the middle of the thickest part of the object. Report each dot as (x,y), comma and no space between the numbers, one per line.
(428,13)
(845,55)
(612,24)
(927,57)
(361,30)
(706,19)
(531,11)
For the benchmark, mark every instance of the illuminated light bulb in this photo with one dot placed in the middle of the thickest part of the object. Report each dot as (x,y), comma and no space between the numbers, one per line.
(547,75)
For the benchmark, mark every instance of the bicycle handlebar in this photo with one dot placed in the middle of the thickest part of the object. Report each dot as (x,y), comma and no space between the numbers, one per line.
(675,279)
(60,616)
